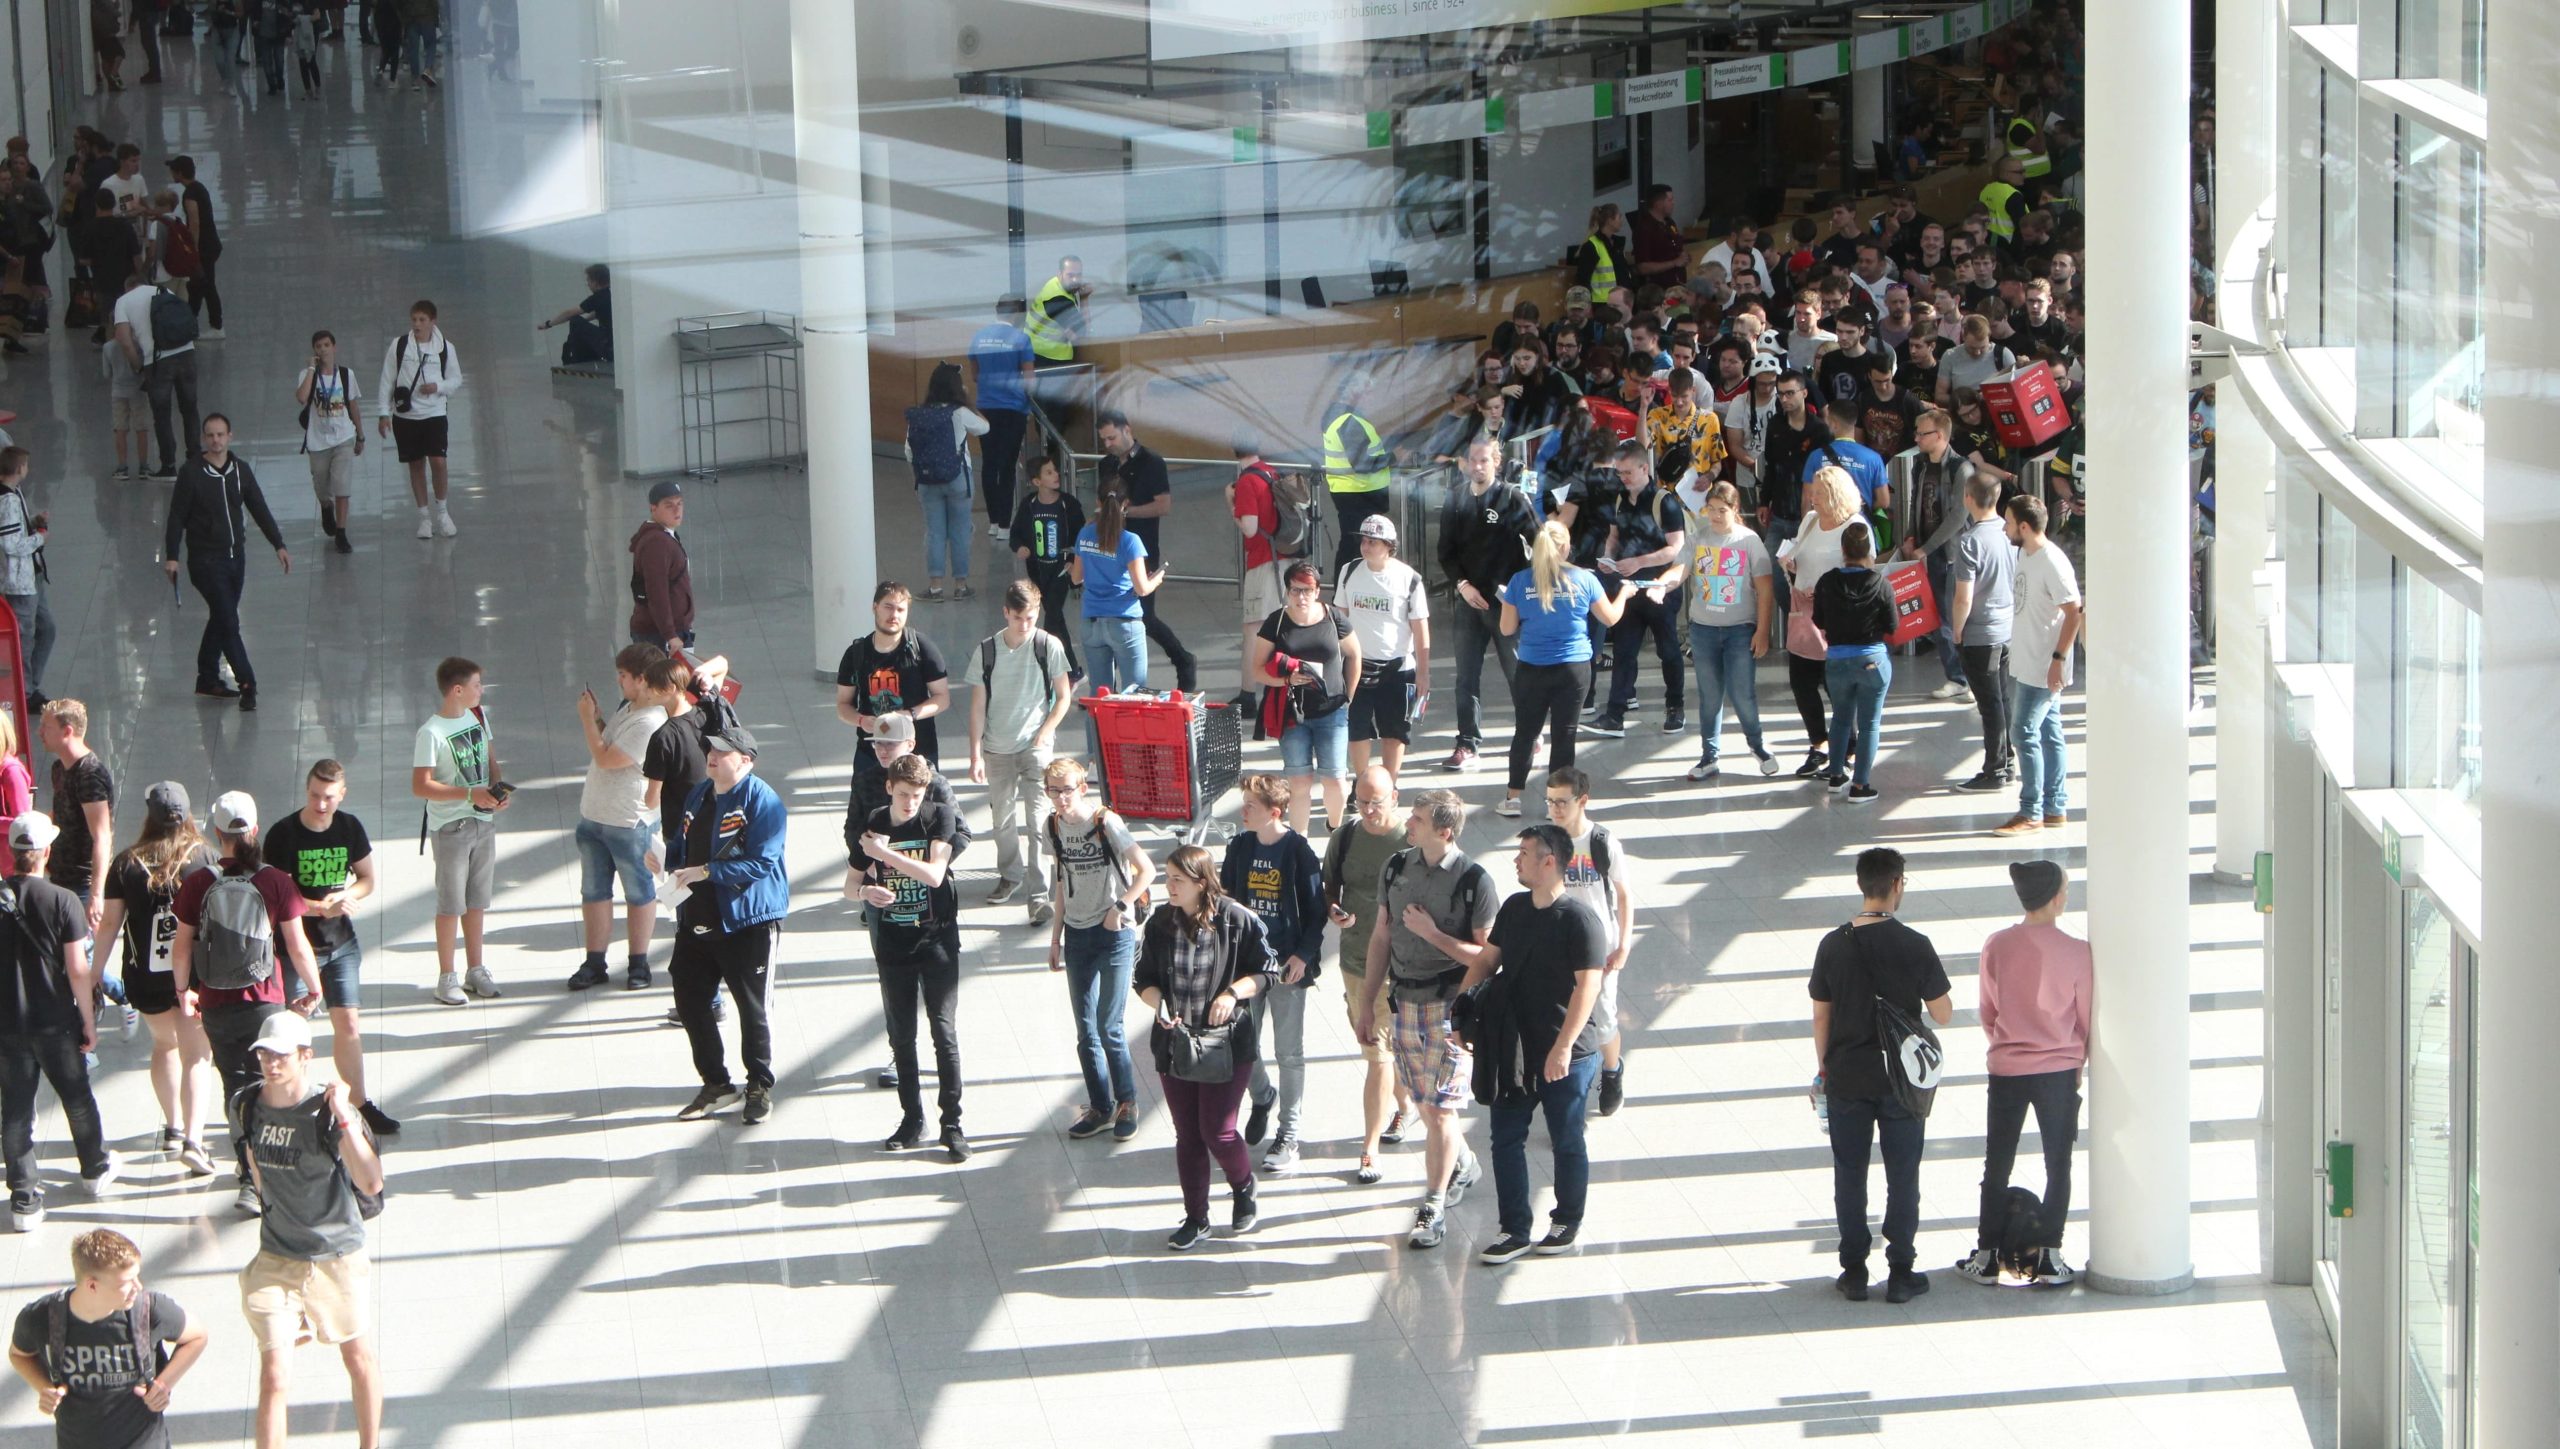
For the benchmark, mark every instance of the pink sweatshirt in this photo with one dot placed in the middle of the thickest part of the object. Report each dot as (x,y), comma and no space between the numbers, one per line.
(2035,987)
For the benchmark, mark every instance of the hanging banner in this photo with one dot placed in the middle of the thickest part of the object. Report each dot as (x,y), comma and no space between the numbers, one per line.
(1967,24)
(1747,76)
(1660,92)
(1183,29)
(1573,105)
(1821,63)
(1926,36)
(1879,47)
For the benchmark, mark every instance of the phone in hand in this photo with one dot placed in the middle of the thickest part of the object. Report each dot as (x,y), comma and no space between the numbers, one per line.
(500,791)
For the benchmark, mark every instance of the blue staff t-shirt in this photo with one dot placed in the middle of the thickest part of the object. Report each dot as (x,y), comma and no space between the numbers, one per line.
(1108,592)
(1557,635)
(998,353)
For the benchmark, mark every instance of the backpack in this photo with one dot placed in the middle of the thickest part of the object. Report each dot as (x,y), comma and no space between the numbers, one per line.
(178,254)
(932,445)
(1913,1059)
(57,1324)
(346,391)
(2019,1223)
(172,325)
(1048,681)
(1293,498)
(1471,889)
(235,940)
(1102,822)
(245,1102)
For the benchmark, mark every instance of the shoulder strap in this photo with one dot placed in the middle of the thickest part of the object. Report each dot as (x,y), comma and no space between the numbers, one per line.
(1471,888)
(1602,848)
(57,1325)
(146,1340)
(1394,872)
(987,662)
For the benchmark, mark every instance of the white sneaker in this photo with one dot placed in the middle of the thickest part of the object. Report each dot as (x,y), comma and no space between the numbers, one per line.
(121,474)
(444,522)
(105,1179)
(426,524)
(1952,690)
(209,334)
(449,989)
(479,982)
(998,530)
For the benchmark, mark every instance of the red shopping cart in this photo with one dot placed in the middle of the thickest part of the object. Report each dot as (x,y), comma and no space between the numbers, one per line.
(1168,758)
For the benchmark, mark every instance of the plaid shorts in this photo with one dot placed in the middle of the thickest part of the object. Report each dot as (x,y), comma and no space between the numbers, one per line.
(1435,1070)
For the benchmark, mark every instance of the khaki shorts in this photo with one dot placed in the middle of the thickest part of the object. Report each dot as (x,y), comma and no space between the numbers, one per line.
(333,470)
(286,1298)
(1264,593)
(128,414)
(1374,1049)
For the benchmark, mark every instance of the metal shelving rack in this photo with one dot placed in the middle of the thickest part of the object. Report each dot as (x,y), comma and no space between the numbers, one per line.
(738,355)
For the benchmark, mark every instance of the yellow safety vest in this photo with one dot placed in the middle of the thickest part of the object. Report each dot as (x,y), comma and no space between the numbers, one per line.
(2036,163)
(1604,268)
(1338,477)
(1049,341)
(1995,199)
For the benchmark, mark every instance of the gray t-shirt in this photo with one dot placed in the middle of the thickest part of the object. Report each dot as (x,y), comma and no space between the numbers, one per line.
(1959,368)
(1983,555)
(1417,969)
(620,797)
(1721,569)
(1091,868)
(311,1206)
(1018,698)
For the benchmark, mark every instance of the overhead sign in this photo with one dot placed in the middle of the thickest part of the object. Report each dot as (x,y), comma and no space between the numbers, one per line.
(1183,29)
(1659,92)
(1747,76)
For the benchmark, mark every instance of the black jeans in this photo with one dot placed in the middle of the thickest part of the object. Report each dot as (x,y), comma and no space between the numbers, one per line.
(1806,677)
(219,578)
(1475,629)
(229,1030)
(1186,670)
(173,380)
(2055,1097)
(999,450)
(743,960)
(1348,510)
(931,971)
(1549,695)
(1053,611)
(1646,617)
(54,1055)
(1987,666)
(1855,1125)
(205,299)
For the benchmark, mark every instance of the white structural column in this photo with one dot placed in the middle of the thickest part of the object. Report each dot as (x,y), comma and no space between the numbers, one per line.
(1866,113)
(827,140)
(2245,90)
(2136,754)
(2517,1393)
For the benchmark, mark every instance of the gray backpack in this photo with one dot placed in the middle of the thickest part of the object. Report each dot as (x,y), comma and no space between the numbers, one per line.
(235,941)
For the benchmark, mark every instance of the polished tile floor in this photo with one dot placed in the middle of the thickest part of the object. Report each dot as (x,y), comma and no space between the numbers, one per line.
(564,1265)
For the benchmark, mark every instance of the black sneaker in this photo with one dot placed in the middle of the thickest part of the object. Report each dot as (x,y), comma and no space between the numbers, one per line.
(381,1123)
(215,689)
(1246,1213)
(1505,1248)
(26,1210)
(886,1079)
(955,1144)
(1188,1236)
(1088,1123)
(1905,1285)
(2050,1270)
(248,701)
(1674,722)
(1981,1266)
(1257,1123)
(1561,1238)
(1815,761)
(1982,784)
(1862,794)
(706,1102)
(759,1105)
(637,978)
(910,1134)
(1607,727)
(344,543)
(590,972)
(1835,781)
(1613,1091)
(1852,1284)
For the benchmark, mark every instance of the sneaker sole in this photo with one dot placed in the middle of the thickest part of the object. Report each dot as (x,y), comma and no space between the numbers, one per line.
(1543,1251)
(1494,1259)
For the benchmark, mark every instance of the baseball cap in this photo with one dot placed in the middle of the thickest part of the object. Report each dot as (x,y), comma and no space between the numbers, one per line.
(664,491)
(1765,366)
(894,726)
(2037,881)
(1577,296)
(734,740)
(233,812)
(166,802)
(284,1034)
(1378,526)
(32,831)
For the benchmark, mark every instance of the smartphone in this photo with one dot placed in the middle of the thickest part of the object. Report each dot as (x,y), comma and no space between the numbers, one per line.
(500,791)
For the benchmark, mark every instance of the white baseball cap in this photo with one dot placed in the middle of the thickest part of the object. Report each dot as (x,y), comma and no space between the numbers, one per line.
(284,1034)
(234,811)
(33,831)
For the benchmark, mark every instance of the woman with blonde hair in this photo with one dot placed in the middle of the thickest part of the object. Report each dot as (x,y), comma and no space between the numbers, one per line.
(141,904)
(1831,505)
(1545,606)
(1204,957)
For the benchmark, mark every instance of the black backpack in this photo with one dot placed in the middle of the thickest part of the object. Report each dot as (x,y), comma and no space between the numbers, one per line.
(245,1102)
(57,1323)
(2020,1224)
(172,325)
(1913,1059)
(1039,661)
(931,445)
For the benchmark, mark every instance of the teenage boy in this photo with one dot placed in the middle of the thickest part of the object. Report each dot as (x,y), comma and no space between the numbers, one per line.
(332,432)
(330,857)
(1595,873)
(1981,572)
(1103,879)
(1257,516)
(1355,860)
(312,1279)
(84,806)
(2044,624)
(1023,693)
(2036,987)
(419,376)
(1043,536)
(105,1354)
(1864,465)
(615,831)
(206,506)
(892,669)
(1641,555)
(454,768)
(1390,611)
(661,575)
(1874,957)
(730,922)
(1271,868)
(915,940)
(48,1021)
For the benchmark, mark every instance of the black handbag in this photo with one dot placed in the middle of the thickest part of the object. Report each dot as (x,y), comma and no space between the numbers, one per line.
(1204,1053)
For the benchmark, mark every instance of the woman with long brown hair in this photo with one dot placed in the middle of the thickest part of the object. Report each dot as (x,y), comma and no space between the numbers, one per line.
(1111,566)
(1204,959)
(141,897)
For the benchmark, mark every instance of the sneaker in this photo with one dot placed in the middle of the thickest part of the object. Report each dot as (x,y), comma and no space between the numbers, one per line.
(122,474)
(964,591)
(444,520)
(590,972)
(1768,763)
(132,1022)
(1561,1238)
(1613,1091)
(195,1160)
(1607,727)
(1675,722)
(1863,794)
(636,977)
(706,1102)
(955,1144)
(1982,1267)
(1590,707)
(1004,892)
(104,1178)
(1188,1236)
(1704,770)
(1393,1133)
(1952,690)
(1509,809)
(2051,1271)
(1256,1123)
(1430,1225)
(1905,1285)
(886,1079)
(2019,825)
(26,1210)
(1852,1284)
(449,989)
(1246,1213)
(1283,1156)
(759,1105)
(910,1135)
(344,543)
(673,1018)
(211,334)
(215,689)
(2056,821)
(998,530)
(1124,1122)
(247,1203)
(1835,781)
(1367,1172)
(426,524)
(1981,784)
(1461,758)
(1088,1123)
(168,1140)
(1039,913)
(479,982)
(249,701)
(1464,1178)
(379,1122)
(1814,763)
(1505,1248)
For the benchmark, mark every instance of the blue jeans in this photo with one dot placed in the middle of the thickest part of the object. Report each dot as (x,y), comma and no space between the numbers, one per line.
(419,43)
(946,527)
(606,851)
(339,969)
(1566,1101)
(2036,725)
(1856,1124)
(1858,686)
(1950,658)
(1318,747)
(1722,653)
(1099,964)
(1115,652)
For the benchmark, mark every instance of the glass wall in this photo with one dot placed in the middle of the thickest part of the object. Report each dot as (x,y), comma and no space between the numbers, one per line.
(2435,1201)
(2438,256)
(2443,40)
(2436,695)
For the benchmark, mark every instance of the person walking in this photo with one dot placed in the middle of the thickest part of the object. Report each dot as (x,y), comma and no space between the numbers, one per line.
(1045,527)
(615,833)
(105,1355)
(1000,367)
(1874,958)
(22,574)
(1982,571)
(1022,695)
(907,847)
(893,737)
(937,453)
(204,297)
(1260,588)
(1544,606)
(237,934)
(1485,537)
(1111,566)
(330,857)
(1831,505)
(48,1022)
(1140,473)
(1307,659)
(1355,860)
(83,792)
(213,491)
(1271,868)
(1853,607)
(2043,628)
(159,338)
(1390,614)
(2037,983)
(894,669)
(454,768)
(662,574)
(1595,873)
(1358,471)
(1731,603)
(141,907)
(421,26)
(730,922)
(1940,477)
(1640,564)
(1103,880)
(419,377)
(332,433)
(1203,962)
(312,1279)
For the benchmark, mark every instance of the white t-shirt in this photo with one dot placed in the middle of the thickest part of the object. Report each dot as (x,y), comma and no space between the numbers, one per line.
(616,796)
(1817,549)
(1752,421)
(126,189)
(332,424)
(1383,605)
(2045,582)
(133,310)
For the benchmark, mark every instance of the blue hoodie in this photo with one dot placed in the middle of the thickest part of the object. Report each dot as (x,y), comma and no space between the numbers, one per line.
(747,877)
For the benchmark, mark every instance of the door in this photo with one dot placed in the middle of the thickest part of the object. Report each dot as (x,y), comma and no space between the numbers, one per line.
(2334,843)
(2435,1196)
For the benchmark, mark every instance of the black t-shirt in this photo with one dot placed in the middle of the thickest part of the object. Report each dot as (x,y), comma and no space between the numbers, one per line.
(209,235)
(1049,530)
(1645,523)
(1886,426)
(42,918)
(1541,950)
(1782,461)
(1317,647)
(101,1409)
(920,911)
(319,861)
(887,680)
(674,759)
(704,837)
(86,783)
(1852,966)
(114,254)
(599,305)
(1838,377)
(150,914)
(1143,476)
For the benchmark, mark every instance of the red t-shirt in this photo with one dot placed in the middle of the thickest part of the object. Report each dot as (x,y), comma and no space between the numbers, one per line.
(1253,500)
(284,906)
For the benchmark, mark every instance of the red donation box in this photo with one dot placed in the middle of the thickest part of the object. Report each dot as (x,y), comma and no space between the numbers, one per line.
(1915,606)
(2024,406)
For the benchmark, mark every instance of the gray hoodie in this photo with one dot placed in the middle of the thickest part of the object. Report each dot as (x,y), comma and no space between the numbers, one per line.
(19,545)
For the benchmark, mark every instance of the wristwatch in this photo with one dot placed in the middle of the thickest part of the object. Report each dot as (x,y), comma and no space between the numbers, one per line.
(2057,654)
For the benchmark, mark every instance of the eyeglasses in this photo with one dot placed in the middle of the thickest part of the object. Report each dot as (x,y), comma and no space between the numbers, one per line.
(1061,792)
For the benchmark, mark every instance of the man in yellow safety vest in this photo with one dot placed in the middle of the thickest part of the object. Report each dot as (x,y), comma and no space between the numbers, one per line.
(1357,471)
